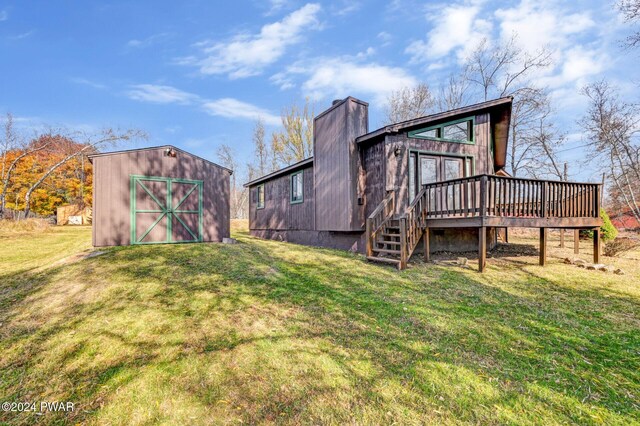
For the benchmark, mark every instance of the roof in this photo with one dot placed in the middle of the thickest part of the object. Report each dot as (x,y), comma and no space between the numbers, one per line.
(500,110)
(277,173)
(126,151)
(399,127)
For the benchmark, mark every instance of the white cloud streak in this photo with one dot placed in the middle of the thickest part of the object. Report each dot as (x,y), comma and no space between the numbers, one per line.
(233,108)
(248,55)
(224,107)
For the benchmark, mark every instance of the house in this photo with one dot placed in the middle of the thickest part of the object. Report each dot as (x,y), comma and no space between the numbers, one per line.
(440,177)
(625,220)
(157,195)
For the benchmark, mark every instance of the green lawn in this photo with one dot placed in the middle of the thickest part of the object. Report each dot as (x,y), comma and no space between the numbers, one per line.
(268,332)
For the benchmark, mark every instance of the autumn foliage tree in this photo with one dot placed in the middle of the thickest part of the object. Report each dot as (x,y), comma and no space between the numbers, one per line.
(41,173)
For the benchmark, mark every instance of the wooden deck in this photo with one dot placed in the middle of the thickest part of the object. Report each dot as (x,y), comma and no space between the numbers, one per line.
(488,201)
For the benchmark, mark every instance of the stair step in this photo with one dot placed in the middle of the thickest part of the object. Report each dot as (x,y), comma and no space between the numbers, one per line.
(379,250)
(383,260)
(386,234)
(391,243)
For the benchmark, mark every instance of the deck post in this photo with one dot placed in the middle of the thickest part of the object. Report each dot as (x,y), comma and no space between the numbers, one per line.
(427,248)
(369,240)
(596,245)
(482,248)
(543,246)
(576,241)
(403,243)
(506,235)
(562,238)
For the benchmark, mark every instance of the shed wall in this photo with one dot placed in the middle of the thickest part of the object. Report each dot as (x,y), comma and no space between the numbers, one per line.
(111,192)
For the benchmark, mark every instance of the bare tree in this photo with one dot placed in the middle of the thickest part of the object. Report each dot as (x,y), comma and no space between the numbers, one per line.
(631,11)
(543,158)
(84,143)
(612,127)
(295,142)
(13,142)
(409,103)
(506,70)
(239,194)
(454,93)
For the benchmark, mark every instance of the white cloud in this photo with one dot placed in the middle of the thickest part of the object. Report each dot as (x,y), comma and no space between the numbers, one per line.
(385,38)
(233,108)
(542,23)
(23,35)
(148,41)
(339,77)
(86,82)
(4,15)
(455,27)
(160,94)
(247,55)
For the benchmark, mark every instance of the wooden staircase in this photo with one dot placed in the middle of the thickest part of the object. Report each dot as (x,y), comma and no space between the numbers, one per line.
(392,239)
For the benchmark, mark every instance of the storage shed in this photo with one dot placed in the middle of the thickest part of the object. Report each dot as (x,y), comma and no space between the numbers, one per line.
(158,195)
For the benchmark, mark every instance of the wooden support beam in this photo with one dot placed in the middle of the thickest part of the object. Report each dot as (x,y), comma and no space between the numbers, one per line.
(596,245)
(576,241)
(427,247)
(506,235)
(562,238)
(482,248)
(543,246)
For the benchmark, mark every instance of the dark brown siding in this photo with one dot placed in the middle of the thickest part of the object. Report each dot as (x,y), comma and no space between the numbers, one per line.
(397,173)
(337,166)
(374,171)
(111,191)
(278,212)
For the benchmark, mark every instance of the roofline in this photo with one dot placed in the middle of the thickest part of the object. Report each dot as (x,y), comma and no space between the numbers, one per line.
(125,151)
(395,128)
(338,103)
(280,172)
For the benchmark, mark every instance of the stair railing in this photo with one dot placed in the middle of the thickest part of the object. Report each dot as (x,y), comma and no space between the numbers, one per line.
(412,225)
(378,218)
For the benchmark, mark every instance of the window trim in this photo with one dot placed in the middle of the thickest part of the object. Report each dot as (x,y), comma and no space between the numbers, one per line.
(291,200)
(440,127)
(258,205)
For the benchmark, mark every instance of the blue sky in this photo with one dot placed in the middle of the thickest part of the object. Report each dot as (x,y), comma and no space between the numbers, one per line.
(196,74)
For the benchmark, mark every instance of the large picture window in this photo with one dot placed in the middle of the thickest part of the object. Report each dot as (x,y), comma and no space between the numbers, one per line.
(460,131)
(260,196)
(297,188)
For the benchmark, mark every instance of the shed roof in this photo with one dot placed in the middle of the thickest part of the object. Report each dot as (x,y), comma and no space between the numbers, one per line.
(127,151)
(288,169)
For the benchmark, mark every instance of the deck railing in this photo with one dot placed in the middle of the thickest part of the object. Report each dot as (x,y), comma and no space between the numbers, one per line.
(490,195)
(377,219)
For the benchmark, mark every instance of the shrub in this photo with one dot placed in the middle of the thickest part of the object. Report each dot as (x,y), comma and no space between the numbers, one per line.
(620,245)
(608,232)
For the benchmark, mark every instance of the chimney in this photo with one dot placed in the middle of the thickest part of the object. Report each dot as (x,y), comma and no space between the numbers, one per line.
(337,165)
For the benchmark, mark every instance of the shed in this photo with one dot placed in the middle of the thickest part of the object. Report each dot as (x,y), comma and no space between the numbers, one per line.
(73,214)
(158,195)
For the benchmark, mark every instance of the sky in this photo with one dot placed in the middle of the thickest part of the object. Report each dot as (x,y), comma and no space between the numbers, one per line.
(197,74)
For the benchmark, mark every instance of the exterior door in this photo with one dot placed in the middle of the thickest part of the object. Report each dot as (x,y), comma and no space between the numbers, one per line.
(165,210)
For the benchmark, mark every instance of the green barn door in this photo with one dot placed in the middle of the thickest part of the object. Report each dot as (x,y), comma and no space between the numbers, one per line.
(165,210)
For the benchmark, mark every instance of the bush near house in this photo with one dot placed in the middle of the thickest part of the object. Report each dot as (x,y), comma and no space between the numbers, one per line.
(608,231)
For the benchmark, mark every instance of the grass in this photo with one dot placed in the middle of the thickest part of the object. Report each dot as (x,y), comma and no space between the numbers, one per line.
(269,332)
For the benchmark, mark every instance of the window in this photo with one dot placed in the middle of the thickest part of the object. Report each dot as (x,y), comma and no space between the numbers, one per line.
(297,188)
(460,131)
(260,196)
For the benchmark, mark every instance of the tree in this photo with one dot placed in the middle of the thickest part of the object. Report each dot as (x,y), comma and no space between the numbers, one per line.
(631,11)
(454,93)
(239,194)
(295,142)
(13,142)
(506,70)
(409,103)
(65,146)
(612,127)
